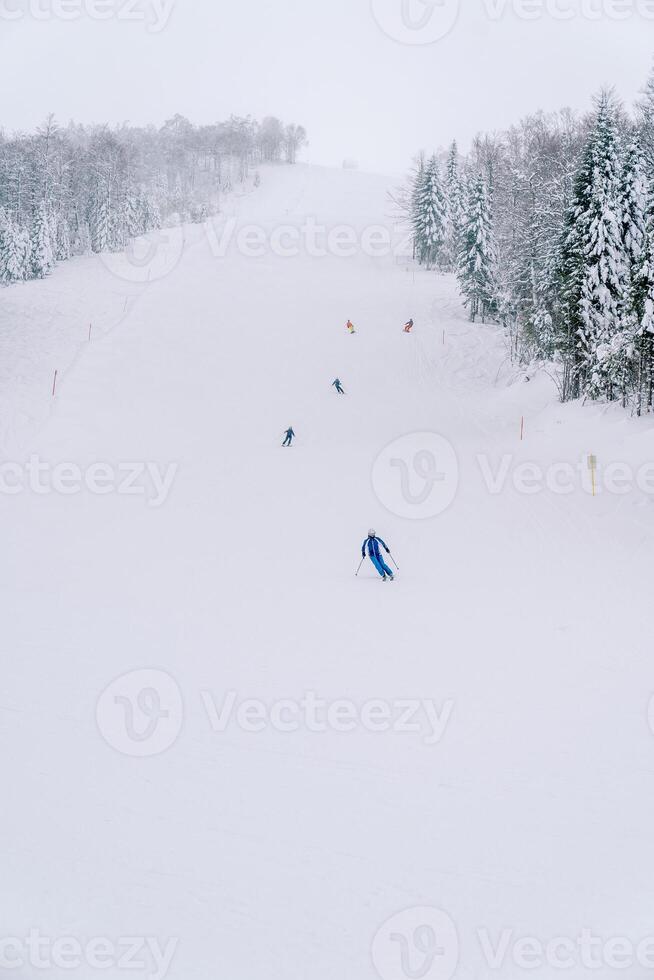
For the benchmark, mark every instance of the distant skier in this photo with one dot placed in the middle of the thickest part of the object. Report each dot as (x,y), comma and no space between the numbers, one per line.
(350,327)
(371,545)
(339,387)
(408,327)
(290,435)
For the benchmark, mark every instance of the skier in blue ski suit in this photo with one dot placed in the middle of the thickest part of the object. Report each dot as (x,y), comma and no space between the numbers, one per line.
(372,543)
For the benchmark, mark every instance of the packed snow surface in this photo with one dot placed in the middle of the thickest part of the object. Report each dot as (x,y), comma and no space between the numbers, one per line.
(269,842)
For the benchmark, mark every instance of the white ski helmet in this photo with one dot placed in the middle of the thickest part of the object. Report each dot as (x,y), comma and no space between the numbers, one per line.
(372,534)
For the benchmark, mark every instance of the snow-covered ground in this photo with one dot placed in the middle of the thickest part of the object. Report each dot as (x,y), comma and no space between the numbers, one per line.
(517,635)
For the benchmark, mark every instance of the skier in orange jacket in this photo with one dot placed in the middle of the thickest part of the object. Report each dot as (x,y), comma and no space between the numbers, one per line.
(350,326)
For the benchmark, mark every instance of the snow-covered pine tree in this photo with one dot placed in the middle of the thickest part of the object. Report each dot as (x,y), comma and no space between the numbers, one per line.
(594,268)
(42,258)
(99,221)
(62,239)
(24,248)
(477,258)
(176,201)
(643,291)
(630,350)
(429,215)
(646,124)
(133,214)
(11,251)
(80,235)
(151,214)
(633,207)
(647,286)
(118,236)
(454,208)
(417,191)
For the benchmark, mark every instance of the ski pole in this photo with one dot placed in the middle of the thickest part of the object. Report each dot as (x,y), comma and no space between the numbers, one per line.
(394,562)
(359,568)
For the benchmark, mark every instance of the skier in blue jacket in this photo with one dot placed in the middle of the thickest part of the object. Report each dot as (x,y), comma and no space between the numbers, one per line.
(290,435)
(372,543)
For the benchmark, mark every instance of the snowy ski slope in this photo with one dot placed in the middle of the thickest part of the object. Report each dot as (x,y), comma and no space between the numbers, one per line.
(519,627)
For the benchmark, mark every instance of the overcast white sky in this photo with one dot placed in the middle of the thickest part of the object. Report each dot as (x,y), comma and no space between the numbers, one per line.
(328,65)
